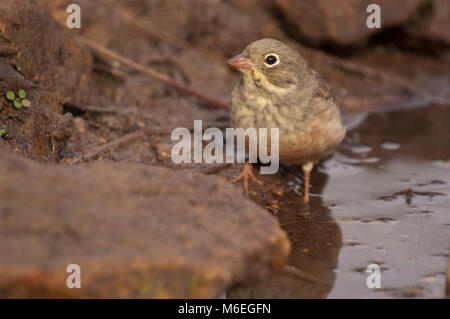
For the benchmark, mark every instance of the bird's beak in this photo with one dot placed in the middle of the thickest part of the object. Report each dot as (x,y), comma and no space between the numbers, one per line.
(241,62)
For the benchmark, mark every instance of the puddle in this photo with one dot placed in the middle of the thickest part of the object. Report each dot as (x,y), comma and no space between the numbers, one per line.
(396,208)
(383,198)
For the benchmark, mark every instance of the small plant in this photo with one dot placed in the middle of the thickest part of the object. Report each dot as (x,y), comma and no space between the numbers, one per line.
(3,130)
(19,100)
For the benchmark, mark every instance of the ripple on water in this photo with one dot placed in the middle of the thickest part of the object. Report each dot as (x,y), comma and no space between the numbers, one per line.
(390,146)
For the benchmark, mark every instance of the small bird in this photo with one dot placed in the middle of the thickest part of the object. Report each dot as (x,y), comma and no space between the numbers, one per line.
(278,89)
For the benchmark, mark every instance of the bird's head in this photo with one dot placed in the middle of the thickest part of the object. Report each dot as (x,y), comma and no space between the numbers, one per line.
(270,63)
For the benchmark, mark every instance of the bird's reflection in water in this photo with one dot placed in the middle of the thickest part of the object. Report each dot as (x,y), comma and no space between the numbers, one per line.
(315,237)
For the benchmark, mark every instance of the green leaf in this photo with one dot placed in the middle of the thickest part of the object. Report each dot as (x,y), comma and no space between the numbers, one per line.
(3,130)
(17,104)
(10,95)
(26,103)
(21,93)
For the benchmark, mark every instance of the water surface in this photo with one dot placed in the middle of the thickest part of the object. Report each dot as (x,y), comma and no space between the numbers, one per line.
(384,198)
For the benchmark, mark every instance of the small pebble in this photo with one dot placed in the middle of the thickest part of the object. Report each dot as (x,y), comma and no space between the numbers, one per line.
(277,191)
(80,125)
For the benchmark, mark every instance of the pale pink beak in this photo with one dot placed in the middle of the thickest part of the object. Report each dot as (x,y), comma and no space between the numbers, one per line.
(241,62)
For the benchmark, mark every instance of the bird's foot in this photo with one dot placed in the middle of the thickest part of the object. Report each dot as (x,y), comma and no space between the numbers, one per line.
(307,168)
(247,172)
(305,199)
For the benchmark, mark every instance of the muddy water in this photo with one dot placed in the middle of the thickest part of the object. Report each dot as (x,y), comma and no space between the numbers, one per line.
(384,198)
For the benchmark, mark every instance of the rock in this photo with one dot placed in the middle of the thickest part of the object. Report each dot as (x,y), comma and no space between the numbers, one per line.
(319,22)
(135,231)
(432,22)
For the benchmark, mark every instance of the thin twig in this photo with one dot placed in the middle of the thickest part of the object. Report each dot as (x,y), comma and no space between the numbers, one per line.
(111,70)
(101,125)
(155,75)
(121,111)
(131,137)
(96,151)
(95,109)
(6,49)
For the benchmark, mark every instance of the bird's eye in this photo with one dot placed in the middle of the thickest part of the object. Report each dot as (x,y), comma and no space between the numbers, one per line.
(271,60)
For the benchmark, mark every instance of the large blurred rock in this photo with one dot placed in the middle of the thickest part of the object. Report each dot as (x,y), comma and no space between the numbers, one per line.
(135,231)
(432,21)
(339,22)
(319,22)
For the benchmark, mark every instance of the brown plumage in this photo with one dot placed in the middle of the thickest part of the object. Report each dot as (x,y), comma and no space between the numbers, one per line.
(278,89)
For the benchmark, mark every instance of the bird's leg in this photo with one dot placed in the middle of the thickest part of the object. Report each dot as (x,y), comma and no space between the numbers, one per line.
(247,172)
(307,168)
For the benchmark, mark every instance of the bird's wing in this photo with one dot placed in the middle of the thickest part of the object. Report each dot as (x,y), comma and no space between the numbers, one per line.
(322,90)
(323,98)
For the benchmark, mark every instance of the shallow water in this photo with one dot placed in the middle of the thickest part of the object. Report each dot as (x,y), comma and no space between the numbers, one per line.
(390,188)
(383,198)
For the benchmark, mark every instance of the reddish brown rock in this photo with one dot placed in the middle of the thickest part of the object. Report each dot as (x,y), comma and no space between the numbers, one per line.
(339,22)
(432,22)
(135,231)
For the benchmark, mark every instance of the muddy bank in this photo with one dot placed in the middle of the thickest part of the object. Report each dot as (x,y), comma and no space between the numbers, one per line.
(39,56)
